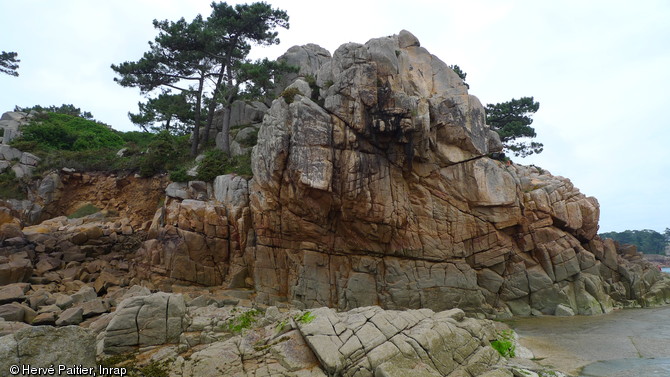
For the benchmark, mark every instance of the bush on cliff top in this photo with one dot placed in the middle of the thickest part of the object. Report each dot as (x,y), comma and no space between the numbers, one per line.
(71,139)
(64,140)
(52,131)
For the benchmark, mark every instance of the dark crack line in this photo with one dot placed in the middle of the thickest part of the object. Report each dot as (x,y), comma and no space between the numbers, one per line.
(167,311)
(137,324)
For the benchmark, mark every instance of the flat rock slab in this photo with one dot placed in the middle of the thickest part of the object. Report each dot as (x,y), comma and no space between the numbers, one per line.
(371,341)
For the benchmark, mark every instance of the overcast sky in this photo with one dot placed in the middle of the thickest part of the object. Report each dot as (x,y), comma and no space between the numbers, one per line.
(600,70)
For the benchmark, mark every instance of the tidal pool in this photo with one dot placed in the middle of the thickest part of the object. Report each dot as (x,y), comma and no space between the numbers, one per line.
(628,342)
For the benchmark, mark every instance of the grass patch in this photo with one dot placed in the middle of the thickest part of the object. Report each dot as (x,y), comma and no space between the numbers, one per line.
(281,326)
(305,318)
(504,344)
(243,321)
(83,211)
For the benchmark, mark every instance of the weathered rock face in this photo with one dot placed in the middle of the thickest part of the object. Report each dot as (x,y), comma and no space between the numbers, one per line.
(62,193)
(10,123)
(385,196)
(200,241)
(377,189)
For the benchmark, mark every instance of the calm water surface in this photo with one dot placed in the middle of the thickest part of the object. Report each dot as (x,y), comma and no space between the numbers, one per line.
(628,367)
(666,269)
(629,342)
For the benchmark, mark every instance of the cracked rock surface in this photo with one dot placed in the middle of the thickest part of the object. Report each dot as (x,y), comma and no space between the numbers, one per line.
(373,185)
(370,341)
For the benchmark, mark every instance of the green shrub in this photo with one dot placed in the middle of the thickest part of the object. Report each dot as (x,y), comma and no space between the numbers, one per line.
(217,163)
(213,165)
(137,138)
(289,94)
(311,81)
(240,165)
(180,175)
(87,160)
(10,187)
(67,109)
(84,210)
(66,132)
(504,344)
(165,152)
(67,137)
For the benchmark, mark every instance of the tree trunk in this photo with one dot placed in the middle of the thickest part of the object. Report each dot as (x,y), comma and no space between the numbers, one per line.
(196,127)
(210,111)
(225,131)
(212,106)
(167,123)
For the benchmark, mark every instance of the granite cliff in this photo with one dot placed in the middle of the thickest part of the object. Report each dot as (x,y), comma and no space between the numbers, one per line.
(373,185)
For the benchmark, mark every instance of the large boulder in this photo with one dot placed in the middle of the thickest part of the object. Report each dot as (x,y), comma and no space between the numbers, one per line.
(141,321)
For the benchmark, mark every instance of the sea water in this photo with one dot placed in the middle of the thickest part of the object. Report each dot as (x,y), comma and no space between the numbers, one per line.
(666,269)
(628,367)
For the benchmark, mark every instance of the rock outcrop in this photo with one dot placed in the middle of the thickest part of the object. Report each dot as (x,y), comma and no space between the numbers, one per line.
(366,341)
(373,186)
(10,123)
(20,163)
(385,195)
(200,235)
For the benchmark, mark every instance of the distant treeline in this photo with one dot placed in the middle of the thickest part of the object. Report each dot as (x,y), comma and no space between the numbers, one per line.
(647,241)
